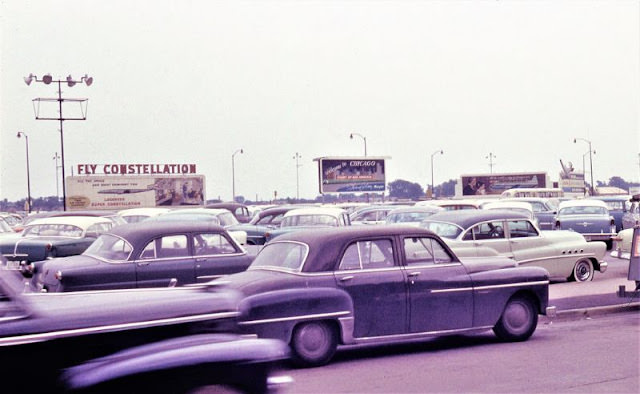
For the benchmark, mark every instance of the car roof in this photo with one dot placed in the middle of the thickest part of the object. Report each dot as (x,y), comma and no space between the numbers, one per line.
(325,244)
(316,211)
(149,211)
(417,208)
(79,221)
(508,204)
(134,232)
(582,203)
(202,211)
(467,218)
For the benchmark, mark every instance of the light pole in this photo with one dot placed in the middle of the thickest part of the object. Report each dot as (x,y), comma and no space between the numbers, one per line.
(56,156)
(433,154)
(575,140)
(48,79)
(491,156)
(297,156)
(26,140)
(363,138)
(233,172)
(584,170)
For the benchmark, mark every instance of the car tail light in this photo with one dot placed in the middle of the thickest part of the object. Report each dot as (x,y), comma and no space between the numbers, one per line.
(58,275)
(30,268)
(49,246)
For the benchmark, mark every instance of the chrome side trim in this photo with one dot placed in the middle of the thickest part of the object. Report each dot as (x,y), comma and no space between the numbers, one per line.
(41,337)
(490,287)
(416,335)
(291,318)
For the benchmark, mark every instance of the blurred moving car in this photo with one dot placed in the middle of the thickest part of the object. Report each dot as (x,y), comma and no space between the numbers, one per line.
(142,340)
(146,254)
(564,254)
(317,289)
(411,215)
(310,218)
(591,218)
(52,237)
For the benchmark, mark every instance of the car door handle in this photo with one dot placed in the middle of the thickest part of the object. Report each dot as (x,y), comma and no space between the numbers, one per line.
(142,263)
(346,278)
(201,259)
(414,274)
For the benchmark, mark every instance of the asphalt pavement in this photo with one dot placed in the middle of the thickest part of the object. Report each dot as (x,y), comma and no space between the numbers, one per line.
(597,296)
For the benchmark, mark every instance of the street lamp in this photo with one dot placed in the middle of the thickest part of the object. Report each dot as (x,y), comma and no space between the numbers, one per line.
(363,138)
(233,172)
(56,157)
(584,170)
(298,165)
(433,154)
(575,140)
(26,140)
(70,81)
(491,156)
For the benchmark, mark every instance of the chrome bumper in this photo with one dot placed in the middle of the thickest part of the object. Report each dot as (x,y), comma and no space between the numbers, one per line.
(551,312)
(603,266)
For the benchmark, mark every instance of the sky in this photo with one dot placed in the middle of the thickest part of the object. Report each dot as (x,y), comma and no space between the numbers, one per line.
(502,86)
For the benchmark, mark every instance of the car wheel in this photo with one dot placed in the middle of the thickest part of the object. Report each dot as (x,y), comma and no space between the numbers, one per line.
(582,271)
(518,321)
(313,344)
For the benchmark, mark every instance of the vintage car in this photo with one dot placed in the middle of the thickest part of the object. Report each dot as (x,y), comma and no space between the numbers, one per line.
(545,210)
(138,340)
(238,210)
(310,218)
(622,244)
(135,215)
(375,214)
(591,218)
(631,218)
(564,254)
(411,215)
(219,216)
(515,206)
(264,221)
(618,206)
(5,228)
(146,254)
(52,237)
(452,205)
(317,289)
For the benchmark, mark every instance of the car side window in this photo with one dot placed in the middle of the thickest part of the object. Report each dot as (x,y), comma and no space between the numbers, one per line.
(166,247)
(368,254)
(488,230)
(521,228)
(211,244)
(425,250)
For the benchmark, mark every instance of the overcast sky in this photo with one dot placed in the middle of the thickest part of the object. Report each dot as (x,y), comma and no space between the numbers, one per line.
(193,81)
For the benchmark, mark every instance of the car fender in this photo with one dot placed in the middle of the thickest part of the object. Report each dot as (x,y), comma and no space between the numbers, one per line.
(274,314)
(200,360)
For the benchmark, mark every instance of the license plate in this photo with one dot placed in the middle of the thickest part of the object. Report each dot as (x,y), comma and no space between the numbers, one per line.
(13,265)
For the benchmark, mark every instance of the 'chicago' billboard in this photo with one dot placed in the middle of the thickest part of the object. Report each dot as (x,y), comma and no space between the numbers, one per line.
(122,192)
(497,183)
(351,174)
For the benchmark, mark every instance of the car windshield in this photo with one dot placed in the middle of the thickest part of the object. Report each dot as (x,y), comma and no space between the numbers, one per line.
(109,247)
(289,256)
(615,205)
(584,210)
(52,230)
(309,220)
(4,227)
(445,230)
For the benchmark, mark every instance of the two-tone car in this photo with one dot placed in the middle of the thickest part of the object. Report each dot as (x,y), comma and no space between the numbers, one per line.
(138,340)
(146,254)
(51,237)
(323,288)
(310,218)
(591,218)
(564,254)
(545,210)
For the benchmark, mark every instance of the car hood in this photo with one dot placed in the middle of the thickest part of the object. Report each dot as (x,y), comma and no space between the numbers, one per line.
(113,310)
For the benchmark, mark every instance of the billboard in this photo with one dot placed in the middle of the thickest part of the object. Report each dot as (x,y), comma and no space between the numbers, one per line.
(122,192)
(351,174)
(492,184)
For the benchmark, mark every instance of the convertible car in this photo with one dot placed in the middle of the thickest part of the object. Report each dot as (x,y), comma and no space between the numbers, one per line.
(146,254)
(317,289)
(138,340)
(564,254)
